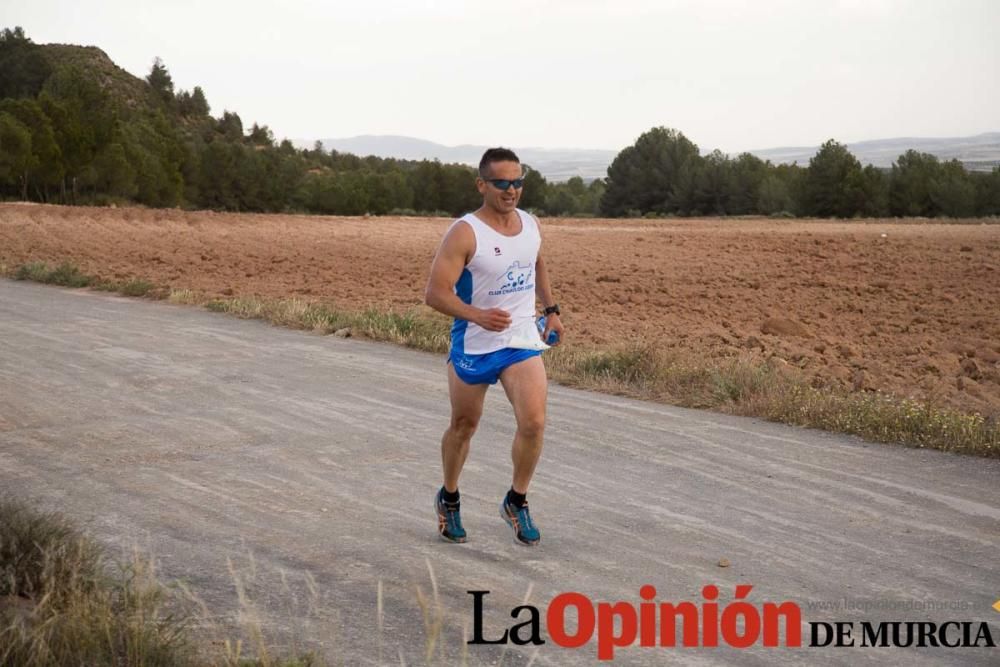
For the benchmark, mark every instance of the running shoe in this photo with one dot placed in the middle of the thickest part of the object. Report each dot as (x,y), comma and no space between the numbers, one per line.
(449,519)
(525,531)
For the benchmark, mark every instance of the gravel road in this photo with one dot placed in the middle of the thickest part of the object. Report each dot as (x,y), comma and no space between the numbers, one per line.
(303,467)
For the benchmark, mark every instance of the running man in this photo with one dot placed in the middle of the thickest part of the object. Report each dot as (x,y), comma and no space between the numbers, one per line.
(487,274)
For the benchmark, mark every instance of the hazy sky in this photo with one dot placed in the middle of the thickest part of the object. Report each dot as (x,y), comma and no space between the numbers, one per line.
(562,73)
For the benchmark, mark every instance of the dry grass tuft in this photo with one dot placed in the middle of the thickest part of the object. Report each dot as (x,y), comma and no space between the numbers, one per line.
(60,605)
(184,297)
(62,602)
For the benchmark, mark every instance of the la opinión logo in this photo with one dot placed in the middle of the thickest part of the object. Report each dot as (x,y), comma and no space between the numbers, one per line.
(706,623)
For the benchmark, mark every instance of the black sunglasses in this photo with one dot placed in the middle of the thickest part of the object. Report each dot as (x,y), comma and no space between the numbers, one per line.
(505,183)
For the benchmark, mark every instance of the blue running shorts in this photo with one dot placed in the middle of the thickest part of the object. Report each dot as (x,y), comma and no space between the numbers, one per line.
(486,368)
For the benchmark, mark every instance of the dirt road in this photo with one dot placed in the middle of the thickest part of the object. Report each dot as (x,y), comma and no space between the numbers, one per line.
(205,438)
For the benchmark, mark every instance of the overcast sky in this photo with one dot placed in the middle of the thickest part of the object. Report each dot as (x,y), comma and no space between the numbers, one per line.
(562,73)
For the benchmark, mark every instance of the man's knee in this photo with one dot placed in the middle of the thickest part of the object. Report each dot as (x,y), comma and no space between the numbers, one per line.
(531,426)
(464,426)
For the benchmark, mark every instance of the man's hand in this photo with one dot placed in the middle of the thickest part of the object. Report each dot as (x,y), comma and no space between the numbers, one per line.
(493,319)
(553,323)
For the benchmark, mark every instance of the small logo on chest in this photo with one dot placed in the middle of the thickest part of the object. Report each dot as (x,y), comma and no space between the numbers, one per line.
(496,251)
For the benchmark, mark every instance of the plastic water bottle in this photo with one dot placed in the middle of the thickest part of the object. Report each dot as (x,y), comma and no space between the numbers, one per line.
(553,335)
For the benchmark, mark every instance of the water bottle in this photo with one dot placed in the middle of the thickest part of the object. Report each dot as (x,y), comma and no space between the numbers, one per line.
(553,335)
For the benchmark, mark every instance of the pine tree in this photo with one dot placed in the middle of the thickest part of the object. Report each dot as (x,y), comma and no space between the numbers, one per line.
(161,82)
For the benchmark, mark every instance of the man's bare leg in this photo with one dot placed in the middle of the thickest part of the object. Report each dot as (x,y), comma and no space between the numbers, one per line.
(466,410)
(526,385)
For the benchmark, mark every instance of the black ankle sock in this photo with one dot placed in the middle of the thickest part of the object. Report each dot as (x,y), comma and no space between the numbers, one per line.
(448,496)
(516,499)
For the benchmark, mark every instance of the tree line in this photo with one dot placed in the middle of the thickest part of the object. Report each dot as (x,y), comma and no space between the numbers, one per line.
(663,173)
(67,137)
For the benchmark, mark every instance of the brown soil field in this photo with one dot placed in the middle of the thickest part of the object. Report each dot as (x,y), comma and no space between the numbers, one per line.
(909,307)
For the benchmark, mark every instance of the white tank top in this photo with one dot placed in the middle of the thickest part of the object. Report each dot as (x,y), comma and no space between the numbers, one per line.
(501,274)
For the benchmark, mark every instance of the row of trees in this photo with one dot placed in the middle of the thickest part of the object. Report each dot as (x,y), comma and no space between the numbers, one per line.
(664,173)
(68,136)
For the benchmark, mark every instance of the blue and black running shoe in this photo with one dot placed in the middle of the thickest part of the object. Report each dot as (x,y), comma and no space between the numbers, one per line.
(449,519)
(525,531)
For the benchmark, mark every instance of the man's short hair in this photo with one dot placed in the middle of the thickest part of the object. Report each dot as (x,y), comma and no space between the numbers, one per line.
(496,155)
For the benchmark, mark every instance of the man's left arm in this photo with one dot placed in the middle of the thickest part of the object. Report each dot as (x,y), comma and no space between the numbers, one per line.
(543,290)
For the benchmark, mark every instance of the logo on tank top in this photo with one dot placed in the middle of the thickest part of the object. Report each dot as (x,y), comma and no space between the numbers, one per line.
(516,278)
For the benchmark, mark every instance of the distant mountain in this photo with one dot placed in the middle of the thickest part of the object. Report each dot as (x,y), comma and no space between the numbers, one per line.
(556,164)
(977,153)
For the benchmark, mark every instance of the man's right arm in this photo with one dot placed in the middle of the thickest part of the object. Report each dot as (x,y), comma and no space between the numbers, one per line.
(457,246)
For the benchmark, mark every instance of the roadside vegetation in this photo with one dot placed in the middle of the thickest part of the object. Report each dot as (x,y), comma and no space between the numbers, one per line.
(407,328)
(745,385)
(63,601)
(65,274)
(753,386)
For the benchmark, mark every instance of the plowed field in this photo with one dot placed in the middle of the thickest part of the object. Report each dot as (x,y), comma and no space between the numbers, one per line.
(911,307)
